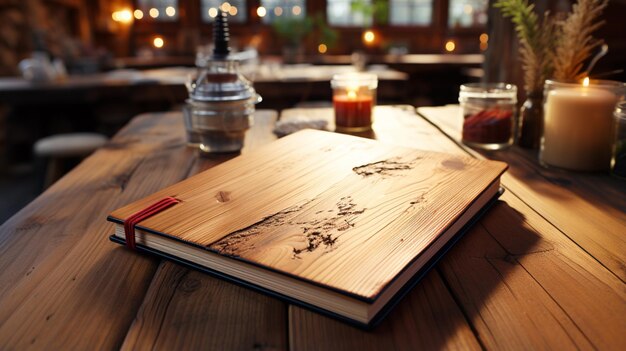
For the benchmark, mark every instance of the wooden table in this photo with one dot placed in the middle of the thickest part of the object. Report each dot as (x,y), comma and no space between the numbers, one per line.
(544,269)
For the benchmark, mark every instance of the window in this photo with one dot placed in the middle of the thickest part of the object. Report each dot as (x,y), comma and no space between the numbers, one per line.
(158,10)
(340,13)
(275,9)
(411,12)
(467,13)
(236,10)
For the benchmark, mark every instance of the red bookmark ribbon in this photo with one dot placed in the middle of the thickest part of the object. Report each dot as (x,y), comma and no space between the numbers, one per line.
(130,222)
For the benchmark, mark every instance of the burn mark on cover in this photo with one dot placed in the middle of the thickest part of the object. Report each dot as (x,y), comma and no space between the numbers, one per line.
(235,242)
(390,167)
(324,232)
(320,232)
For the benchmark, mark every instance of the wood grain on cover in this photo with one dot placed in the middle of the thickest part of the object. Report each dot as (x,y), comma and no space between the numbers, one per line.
(345,212)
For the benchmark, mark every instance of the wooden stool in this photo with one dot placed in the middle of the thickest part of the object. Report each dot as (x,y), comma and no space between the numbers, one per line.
(54,153)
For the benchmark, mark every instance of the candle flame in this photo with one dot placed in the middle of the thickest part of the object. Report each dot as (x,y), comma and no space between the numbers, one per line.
(351,94)
(586,82)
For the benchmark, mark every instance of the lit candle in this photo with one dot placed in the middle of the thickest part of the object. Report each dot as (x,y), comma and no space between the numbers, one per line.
(353,110)
(354,96)
(578,126)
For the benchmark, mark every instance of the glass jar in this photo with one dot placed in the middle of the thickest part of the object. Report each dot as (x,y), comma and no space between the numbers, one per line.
(578,124)
(354,97)
(219,109)
(618,159)
(489,114)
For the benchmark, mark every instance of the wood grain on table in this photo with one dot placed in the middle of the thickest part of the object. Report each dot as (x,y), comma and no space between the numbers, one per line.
(543,269)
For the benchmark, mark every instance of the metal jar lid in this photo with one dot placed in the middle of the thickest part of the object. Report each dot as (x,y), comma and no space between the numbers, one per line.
(217,86)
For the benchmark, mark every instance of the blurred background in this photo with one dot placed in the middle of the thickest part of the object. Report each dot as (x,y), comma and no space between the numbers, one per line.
(76,66)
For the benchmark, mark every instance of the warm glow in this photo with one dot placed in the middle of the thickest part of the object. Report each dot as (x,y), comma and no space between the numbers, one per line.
(124,16)
(225,7)
(322,48)
(158,42)
(212,12)
(154,13)
(170,11)
(232,11)
(278,10)
(484,38)
(261,11)
(468,9)
(483,46)
(256,40)
(351,94)
(369,37)
(296,10)
(450,46)
(586,82)
(138,14)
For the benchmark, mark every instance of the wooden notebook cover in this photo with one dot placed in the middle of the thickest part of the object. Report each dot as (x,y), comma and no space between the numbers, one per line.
(340,211)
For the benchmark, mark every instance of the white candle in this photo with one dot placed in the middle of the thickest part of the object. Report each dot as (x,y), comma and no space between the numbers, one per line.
(578,128)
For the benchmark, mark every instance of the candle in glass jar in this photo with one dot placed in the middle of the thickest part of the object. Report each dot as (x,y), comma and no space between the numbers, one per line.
(353,110)
(354,97)
(578,128)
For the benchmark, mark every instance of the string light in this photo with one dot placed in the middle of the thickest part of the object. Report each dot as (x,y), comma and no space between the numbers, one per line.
(369,37)
(138,14)
(484,40)
(296,10)
(450,46)
(322,48)
(225,7)
(233,11)
(170,11)
(123,16)
(154,13)
(158,42)
(212,12)
(278,11)
(261,11)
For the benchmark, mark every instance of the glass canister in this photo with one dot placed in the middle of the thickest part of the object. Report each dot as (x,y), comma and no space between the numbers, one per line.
(354,98)
(489,114)
(618,159)
(578,124)
(220,107)
(221,100)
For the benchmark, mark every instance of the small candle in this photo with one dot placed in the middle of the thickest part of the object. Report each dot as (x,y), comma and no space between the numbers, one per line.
(354,96)
(578,127)
(353,111)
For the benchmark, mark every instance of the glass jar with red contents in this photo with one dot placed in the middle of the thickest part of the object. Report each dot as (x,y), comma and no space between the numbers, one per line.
(489,114)
(354,97)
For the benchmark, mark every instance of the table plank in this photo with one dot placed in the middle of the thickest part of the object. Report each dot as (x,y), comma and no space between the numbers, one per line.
(596,204)
(519,280)
(63,285)
(188,310)
(427,318)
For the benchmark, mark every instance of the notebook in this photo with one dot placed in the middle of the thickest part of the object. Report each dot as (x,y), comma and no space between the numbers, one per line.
(336,223)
